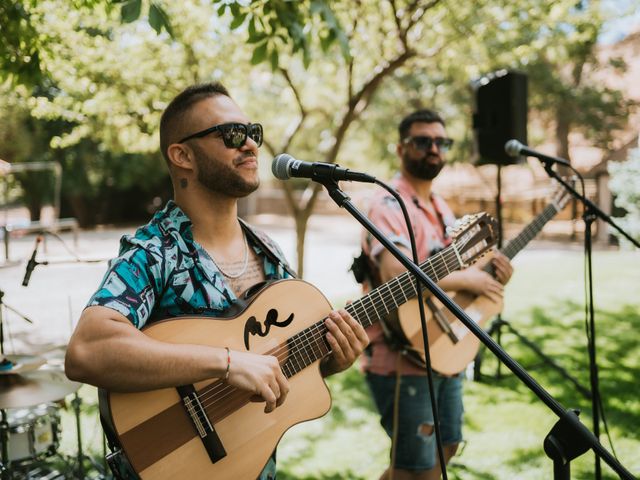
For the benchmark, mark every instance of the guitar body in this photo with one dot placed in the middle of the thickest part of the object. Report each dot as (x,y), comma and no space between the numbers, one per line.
(447,357)
(159,438)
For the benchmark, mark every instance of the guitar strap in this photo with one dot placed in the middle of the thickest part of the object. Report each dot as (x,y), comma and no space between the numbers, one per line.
(269,248)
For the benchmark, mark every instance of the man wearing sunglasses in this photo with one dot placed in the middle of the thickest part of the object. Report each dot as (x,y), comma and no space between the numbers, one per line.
(194,258)
(422,152)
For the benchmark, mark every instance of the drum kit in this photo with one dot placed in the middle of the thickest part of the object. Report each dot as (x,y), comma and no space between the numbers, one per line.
(33,389)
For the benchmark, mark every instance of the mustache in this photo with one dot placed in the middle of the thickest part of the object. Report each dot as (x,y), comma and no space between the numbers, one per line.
(245,156)
(429,155)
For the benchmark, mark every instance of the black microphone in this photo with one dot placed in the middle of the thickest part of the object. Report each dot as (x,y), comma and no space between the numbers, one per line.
(284,166)
(31,264)
(514,148)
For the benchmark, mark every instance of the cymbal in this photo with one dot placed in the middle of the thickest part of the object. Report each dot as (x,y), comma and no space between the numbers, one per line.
(22,364)
(33,388)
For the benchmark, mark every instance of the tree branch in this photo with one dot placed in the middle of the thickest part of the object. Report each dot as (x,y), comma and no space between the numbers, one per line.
(303,111)
(358,102)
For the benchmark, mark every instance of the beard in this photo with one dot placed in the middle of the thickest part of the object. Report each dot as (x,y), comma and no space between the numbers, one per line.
(219,177)
(424,167)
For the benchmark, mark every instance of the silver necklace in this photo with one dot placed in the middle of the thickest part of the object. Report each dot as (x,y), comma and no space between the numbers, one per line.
(244,267)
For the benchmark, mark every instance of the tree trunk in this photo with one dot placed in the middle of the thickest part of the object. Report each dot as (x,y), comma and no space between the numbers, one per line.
(563,128)
(302,221)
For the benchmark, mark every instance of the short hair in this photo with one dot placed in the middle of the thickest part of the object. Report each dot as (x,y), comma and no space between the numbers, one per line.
(172,122)
(419,116)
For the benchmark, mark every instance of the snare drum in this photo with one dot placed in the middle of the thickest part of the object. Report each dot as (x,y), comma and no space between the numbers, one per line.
(33,433)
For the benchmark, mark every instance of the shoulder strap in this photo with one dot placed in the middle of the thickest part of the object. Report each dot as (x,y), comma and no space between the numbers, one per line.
(264,243)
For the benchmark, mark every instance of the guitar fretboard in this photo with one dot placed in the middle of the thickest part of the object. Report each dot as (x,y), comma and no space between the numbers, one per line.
(310,344)
(529,232)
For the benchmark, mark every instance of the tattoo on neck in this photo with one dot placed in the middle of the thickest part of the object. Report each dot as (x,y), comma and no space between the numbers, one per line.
(184,182)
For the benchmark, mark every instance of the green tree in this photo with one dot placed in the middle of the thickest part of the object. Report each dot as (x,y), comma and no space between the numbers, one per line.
(273,25)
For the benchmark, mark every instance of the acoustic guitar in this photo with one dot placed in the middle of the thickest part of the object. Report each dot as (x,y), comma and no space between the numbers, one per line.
(451,345)
(211,430)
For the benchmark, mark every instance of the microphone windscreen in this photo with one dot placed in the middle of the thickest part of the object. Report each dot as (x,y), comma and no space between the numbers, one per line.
(513,147)
(280,166)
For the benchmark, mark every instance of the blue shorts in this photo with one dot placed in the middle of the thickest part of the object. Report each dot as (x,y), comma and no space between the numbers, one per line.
(416,450)
(269,471)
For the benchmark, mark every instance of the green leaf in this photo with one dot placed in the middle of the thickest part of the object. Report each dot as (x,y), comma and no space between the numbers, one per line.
(257,37)
(273,58)
(158,19)
(327,40)
(251,29)
(237,21)
(306,57)
(259,54)
(221,9)
(130,10)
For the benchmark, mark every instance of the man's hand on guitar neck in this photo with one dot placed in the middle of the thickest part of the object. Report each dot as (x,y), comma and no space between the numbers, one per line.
(259,374)
(502,268)
(347,339)
(480,282)
(477,281)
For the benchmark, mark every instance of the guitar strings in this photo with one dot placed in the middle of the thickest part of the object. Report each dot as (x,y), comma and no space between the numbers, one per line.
(307,335)
(219,390)
(299,346)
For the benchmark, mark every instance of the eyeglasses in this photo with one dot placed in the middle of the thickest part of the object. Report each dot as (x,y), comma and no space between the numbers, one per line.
(234,135)
(425,143)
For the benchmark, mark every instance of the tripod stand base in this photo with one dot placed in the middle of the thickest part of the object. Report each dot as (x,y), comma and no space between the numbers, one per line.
(496,329)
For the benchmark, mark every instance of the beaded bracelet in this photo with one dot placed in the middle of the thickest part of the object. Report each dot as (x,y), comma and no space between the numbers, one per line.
(226,374)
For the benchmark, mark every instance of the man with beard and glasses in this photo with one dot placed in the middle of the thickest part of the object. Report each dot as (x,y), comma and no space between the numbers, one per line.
(195,257)
(422,150)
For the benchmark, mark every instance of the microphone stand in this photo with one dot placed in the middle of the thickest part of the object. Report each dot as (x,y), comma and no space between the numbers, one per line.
(590,214)
(569,438)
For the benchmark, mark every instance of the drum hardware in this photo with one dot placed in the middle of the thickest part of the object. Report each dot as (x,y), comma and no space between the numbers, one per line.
(4,306)
(78,463)
(4,440)
(31,431)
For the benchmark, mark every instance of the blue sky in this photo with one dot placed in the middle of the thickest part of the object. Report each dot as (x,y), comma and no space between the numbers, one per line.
(625,16)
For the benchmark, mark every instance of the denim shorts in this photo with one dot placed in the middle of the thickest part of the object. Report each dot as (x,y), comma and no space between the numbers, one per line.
(269,470)
(416,450)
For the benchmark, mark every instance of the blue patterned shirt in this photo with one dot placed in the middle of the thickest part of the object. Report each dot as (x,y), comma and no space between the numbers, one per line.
(161,272)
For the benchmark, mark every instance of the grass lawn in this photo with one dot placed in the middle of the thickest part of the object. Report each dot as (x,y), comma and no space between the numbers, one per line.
(505,423)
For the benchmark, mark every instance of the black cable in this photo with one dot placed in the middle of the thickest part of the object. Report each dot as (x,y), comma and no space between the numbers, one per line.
(64,244)
(425,338)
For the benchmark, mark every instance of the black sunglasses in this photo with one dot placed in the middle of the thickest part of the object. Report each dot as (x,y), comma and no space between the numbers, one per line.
(234,135)
(425,143)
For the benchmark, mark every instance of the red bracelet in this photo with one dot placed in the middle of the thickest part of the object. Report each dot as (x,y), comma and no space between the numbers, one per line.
(226,375)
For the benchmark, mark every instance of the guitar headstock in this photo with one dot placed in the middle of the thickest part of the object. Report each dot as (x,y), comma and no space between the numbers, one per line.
(473,236)
(561,195)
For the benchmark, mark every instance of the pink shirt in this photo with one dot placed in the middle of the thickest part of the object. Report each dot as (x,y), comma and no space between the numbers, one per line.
(428,223)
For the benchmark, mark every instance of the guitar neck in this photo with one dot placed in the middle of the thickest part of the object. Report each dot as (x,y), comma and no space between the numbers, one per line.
(310,345)
(529,232)
(390,295)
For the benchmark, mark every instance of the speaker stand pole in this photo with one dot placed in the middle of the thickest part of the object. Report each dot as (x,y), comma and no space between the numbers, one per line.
(497,323)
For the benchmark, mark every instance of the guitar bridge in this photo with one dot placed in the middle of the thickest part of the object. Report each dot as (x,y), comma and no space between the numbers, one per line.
(442,321)
(198,415)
